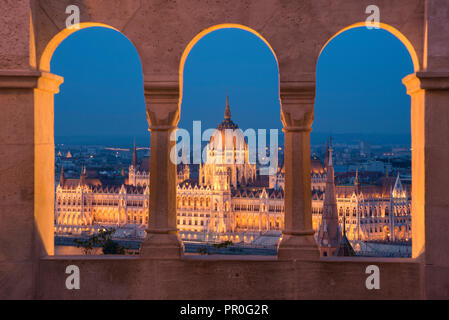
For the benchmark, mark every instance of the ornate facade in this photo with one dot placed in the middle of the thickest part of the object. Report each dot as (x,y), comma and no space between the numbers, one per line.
(379,212)
(229,201)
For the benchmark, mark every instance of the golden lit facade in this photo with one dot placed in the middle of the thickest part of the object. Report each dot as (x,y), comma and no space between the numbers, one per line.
(228,201)
(371,213)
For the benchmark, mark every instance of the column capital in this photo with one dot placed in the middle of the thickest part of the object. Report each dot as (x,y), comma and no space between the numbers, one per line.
(50,82)
(30,79)
(162,104)
(297,101)
(426,80)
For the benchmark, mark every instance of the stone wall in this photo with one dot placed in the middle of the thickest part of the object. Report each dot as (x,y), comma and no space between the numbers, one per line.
(228,278)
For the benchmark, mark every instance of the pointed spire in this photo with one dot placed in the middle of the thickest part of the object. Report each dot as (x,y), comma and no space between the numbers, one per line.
(356,179)
(329,163)
(61,177)
(398,189)
(329,231)
(227,114)
(83,176)
(326,158)
(344,246)
(134,162)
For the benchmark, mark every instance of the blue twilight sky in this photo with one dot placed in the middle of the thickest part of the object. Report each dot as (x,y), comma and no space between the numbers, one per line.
(359,88)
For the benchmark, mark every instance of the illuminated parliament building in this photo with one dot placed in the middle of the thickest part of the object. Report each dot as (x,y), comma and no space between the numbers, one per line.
(230,201)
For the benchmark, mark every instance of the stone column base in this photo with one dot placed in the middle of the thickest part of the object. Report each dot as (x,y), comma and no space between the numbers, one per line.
(162,246)
(298,246)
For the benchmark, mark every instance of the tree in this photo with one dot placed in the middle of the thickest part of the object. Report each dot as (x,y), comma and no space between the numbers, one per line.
(102,239)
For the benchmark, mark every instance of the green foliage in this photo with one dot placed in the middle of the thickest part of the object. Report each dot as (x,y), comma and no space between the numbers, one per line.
(102,239)
(203,251)
(224,244)
(112,247)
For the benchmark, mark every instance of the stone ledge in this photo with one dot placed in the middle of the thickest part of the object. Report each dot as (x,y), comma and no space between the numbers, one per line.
(134,278)
(30,79)
(19,79)
(426,80)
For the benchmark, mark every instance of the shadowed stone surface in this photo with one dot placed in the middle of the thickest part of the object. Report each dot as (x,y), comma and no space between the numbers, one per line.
(209,278)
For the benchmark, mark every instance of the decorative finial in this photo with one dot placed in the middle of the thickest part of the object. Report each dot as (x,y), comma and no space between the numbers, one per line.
(134,160)
(227,114)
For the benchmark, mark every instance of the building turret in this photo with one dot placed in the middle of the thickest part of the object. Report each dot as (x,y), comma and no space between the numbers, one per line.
(135,160)
(62,177)
(398,189)
(227,114)
(83,176)
(329,234)
(344,247)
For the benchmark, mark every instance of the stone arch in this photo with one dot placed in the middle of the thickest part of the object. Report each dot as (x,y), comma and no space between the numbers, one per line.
(206,31)
(52,45)
(324,23)
(47,86)
(409,39)
(398,34)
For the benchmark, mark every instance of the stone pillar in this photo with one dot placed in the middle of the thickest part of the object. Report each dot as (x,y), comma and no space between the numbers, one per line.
(44,159)
(297,100)
(162,240)
(429,91)
(26,178)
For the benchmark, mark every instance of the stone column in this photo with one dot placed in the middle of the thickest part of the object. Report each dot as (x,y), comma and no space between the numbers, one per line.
(162,241)
(429,91)
(44,159)
(297,102)
(26,178)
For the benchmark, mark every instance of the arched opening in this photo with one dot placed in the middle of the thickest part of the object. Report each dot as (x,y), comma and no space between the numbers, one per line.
(90,126)
(205,32)
(229,80)
(362,104)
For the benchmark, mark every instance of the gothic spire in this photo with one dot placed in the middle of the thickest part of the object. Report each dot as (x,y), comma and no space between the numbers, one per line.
(83,176)
(344,246)
(328,234)
(398,189)
(61,177)
(330,164)
(227,114)
(134,162)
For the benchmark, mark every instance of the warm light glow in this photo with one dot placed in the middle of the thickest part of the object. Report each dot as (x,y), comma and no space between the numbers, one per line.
(390,29)
(59,38)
